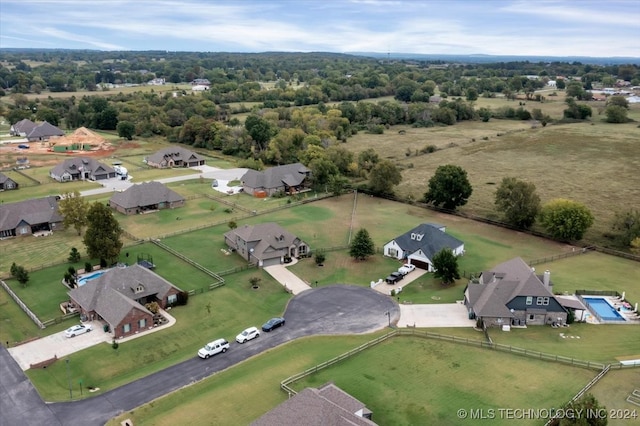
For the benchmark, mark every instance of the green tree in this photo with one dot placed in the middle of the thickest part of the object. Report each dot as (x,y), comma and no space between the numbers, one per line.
(126,129)
(260,131)
(74,255)
(449,187)
(102,237)
(446,265)
(367,159)
(566,219)
(616,114)
(518,201)
(628,226)
(22,275)
(14,269)
(322,170)
(618,100)
(383,177)
(337,184)
(472,94)
(74,210)
(320,257)
(362,245)
(585,404)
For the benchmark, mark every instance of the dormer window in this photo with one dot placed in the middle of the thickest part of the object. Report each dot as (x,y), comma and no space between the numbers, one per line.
(138,289)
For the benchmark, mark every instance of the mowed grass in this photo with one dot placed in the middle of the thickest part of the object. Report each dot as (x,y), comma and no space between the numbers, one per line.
(253,385)
(594,162)
(207,316)
(422,381)
(612,392)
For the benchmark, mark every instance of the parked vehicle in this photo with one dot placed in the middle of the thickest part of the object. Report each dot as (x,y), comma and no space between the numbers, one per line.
(273,323)
(394,277)
(23,146)
(406,268)
(213,348)
(77,329)
(247,334)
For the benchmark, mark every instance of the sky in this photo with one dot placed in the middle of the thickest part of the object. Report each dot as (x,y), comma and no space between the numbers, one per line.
(602,28)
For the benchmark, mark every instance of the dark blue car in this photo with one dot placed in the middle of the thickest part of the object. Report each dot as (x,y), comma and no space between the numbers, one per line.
(272,324)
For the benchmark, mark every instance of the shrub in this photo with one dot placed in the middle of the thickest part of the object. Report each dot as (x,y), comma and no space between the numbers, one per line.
(74,255)
(183,298)
(88,267)
(153,307)
(320,257)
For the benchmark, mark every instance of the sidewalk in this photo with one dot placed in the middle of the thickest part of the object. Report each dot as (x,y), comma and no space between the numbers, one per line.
(288,279)
(59,345)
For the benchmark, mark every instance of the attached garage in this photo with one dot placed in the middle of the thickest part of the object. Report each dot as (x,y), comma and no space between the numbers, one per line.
(419,264)
(271,262)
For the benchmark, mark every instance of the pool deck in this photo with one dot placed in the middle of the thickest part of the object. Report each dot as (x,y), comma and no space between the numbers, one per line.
(627,316)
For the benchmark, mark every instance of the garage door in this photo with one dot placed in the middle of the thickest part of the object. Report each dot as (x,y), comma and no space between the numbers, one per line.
(420,264)
(271,262)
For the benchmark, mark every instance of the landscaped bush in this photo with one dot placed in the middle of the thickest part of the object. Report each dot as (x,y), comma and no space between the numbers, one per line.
(183,298)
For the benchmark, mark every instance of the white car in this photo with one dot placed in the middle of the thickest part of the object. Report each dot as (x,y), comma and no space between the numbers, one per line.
(77,329)
(406,268)
(212,348)
(248,334)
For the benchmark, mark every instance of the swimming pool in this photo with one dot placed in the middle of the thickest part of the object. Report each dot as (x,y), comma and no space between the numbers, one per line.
(600,306)
(82,281)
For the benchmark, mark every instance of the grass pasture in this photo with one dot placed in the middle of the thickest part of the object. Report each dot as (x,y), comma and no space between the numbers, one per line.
(612,392)
(582,161)
(423,381)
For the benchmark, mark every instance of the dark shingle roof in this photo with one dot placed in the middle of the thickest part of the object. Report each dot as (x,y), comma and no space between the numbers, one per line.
(327,406)
(177,153)
(502,284)
(33,212)
(273,239)
(74,165)
(429,238)
(290,174)
(24,126)
(145,194)
(112,294)
(4,178)
(44,130)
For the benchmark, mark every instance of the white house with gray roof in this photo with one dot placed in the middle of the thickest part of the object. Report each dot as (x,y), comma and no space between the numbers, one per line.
(419,245)
(512,294)
(35,131)
(287,179)
(144,198)
(30,217)
(265,244)
(118,297)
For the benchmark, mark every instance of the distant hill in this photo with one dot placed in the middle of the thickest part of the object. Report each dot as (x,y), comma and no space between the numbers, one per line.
(484,59)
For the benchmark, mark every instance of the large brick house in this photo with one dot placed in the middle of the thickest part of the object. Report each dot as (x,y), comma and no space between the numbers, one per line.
(145,197)
(265,244)
(118,297)
(174,156)
(512,294)
(286,179)
(30,217)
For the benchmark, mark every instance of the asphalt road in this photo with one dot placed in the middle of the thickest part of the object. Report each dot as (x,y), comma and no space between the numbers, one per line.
(338,309)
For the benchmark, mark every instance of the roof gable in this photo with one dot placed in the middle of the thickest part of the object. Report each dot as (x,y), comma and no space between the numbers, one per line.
(428,237)
(145,194)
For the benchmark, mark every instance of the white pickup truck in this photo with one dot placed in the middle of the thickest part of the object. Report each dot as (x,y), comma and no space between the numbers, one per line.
(406,268)
(212,348)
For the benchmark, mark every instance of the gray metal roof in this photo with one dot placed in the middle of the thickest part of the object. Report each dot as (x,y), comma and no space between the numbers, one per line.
(428,237)
(145,194)
(289,174)
(33,212)
(114,294)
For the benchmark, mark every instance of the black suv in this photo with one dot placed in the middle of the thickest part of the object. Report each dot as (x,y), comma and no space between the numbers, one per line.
(394,277)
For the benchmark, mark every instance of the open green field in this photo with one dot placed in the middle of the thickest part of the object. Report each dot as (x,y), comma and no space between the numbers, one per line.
(582,161)
(612,392)
(422,381)
(50,188)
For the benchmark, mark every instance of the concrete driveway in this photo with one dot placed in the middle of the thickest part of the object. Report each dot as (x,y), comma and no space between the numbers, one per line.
(286,278)
(436,315)
(385,288)
(59,345)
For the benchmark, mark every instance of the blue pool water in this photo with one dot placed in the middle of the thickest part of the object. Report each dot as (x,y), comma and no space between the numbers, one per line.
(603,308)
(82,281)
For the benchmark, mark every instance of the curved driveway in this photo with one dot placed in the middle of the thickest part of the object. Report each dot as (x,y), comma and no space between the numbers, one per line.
(338,309)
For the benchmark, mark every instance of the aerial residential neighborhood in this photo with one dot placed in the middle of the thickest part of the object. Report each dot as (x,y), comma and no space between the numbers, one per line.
(347,213)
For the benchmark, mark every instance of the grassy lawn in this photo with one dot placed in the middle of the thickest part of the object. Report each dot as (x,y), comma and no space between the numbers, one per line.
(416,381)
(256,380)
(600,343)
(106,368)
(39,191)
(612,392)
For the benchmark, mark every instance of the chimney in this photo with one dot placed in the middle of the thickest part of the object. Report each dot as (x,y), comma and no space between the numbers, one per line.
(546,278)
